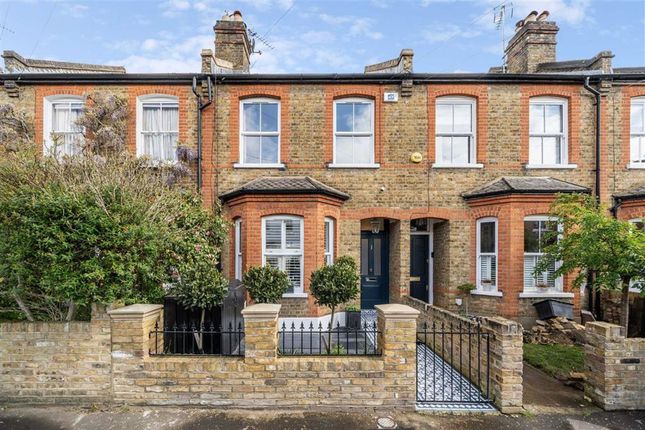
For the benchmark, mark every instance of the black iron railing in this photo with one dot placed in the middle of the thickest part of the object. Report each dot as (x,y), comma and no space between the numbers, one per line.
(301,339)
(197,340)
(453,363)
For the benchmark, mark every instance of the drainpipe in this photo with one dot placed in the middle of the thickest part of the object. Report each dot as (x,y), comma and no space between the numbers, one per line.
(200,107)
(594,305)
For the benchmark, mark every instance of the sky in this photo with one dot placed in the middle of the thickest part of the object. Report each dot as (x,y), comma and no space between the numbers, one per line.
(310,36)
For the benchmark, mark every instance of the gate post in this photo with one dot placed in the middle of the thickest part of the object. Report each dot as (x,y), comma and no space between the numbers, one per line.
(397,327)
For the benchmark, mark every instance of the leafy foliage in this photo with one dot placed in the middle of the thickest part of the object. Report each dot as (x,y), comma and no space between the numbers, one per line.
(101,227)
(593,241)
(335,284)
(266,284)
(16,130)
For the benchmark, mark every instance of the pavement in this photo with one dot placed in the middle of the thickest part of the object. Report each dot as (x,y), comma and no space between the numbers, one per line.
(548,405)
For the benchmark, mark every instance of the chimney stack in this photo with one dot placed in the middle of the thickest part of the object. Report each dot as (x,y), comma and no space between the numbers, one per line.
(232,42)
(533,43)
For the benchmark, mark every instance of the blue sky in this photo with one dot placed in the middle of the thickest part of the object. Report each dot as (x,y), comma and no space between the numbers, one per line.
(312,36)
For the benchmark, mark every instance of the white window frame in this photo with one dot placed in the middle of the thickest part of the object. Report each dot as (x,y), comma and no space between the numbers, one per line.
(558,282)
(284,252)
(48,117)
(450,101)
(242,133)
(480,221)
(238,249)
(636,164)
(632,282)
(329,241)
(372,164)
(564,135)
(155,99)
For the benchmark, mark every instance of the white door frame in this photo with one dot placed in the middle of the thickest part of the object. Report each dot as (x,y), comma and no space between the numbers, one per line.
(430,235)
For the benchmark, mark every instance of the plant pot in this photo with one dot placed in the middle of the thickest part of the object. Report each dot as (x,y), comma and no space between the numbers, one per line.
(550,308)
(353,320)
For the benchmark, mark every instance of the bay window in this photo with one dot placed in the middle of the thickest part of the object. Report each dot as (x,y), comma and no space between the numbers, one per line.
(260,133)
(539,232)
(282,247)
(487,254)
(455,131)
(158,127)
(637,132)
(62,136)
(548,132)
(354,133)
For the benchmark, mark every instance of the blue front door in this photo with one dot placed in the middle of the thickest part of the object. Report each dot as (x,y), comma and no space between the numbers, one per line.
(374,273)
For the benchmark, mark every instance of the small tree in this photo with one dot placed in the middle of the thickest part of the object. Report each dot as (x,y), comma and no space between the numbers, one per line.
(594,241)
(335,284)
(266,284)
(465,290)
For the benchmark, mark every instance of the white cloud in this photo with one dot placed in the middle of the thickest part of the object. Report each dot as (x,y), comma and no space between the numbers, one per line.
(357,26)
(150,44)
(74,10)
(443,32)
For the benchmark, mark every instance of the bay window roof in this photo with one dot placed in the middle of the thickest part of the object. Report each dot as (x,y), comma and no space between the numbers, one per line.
(525,185)
(284,185)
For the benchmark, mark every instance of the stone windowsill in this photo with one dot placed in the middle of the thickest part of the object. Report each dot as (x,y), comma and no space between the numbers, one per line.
(551,166)
(259,166)
(551,295)
(487,293)
(636,166)
(295,296)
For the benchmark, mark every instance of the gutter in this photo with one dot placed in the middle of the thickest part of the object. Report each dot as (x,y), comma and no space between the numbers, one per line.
(200,107)
(596,93)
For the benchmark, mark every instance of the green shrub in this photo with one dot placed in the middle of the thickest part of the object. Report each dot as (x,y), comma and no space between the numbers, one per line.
(266,284)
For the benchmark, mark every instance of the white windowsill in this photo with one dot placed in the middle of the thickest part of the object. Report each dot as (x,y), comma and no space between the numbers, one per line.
(353,166)
(295,295)
(551,166)
(636,166)
(458,166)
(258,166)
(553,295)
(486,293)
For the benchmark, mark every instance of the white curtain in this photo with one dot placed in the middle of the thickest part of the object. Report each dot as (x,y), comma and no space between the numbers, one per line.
(160,125)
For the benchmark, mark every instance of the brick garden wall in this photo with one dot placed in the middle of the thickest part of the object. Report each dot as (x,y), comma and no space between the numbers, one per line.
(56,362)
(467,353)
(615,367)
(108,361)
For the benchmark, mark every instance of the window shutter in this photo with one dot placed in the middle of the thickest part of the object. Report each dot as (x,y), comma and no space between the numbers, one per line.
(273,234)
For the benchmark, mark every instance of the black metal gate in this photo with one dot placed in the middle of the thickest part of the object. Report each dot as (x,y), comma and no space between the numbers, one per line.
(453,365)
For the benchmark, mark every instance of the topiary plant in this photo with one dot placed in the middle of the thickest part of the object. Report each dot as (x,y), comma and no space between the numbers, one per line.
(266,284)
(465,289)
(335,284)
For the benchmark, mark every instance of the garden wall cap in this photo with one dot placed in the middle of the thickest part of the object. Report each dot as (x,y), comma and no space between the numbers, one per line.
(261,311)
(397,311)
(138,311)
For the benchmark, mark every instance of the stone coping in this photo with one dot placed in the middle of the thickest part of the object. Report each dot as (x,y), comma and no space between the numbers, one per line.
(397,311)
(138,311)
(261,311)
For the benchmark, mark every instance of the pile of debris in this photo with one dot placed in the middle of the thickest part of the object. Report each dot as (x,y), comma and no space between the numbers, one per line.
(558,330)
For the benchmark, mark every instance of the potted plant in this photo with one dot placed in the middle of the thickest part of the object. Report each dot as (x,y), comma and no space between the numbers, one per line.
(353,317)
(542,286)
(487,284)
(266,284)
(465,290)
(334,285)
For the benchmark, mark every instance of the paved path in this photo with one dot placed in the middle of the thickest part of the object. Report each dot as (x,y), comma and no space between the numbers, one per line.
(57,418)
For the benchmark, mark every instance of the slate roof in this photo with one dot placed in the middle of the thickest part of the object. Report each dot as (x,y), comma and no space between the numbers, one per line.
(635,193)
(16,63)
(284,185)
(525,185)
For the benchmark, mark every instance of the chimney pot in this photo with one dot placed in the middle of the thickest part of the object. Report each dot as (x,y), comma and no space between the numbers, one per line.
(532,16)
(237,16)
(543,16)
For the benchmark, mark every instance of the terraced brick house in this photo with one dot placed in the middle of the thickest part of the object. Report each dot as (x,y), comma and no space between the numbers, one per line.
(428,180)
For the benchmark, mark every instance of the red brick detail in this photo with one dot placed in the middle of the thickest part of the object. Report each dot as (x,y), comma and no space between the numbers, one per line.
(237,94)
(184,96)
(629,92)
(335,92)
(43,91)
(312,208)
(569,92)
(510,212)
(480,94)
(631,209)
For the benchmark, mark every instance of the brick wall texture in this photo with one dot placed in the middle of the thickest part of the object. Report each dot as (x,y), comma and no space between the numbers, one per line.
(107,360)
(399,190)
(615,367)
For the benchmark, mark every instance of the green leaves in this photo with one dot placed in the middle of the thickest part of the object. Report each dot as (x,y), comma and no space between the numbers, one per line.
(335,284)
(266,284)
